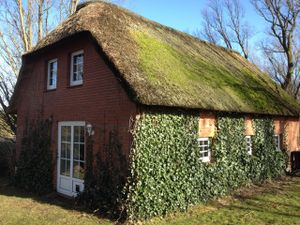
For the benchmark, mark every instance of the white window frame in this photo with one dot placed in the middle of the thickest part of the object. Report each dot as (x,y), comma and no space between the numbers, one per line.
(73,181)
(205,158)
(248,144)
(53,86)
(76,82)
(278,148)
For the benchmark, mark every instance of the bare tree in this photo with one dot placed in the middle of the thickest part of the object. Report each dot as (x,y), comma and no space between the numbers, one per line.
(282,49)
(223,24)
(23,23)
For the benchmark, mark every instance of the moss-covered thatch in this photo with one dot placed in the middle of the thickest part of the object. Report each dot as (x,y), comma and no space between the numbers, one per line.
(165,67)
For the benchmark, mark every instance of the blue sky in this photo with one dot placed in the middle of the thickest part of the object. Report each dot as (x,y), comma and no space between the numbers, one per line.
(185,15)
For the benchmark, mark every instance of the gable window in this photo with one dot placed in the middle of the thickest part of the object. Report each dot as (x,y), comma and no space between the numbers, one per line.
(277,142)
(204,147)
(249,144)
(52,74)
(77,68)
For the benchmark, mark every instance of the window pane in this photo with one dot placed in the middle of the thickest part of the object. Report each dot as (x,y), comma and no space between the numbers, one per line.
(52,73)
(66,134)
(201,155)
(79,68)
(54,66)
(75,76)
(77,134)
(80,76)
(65,167)
(76,153)
(65,150)
(78,170)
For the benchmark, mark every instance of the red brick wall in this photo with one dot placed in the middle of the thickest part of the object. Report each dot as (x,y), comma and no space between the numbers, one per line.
(101,100)
(290,128)
(207,125)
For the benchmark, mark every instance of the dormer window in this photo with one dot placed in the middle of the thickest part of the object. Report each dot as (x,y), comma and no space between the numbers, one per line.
(52,74)
(77,68)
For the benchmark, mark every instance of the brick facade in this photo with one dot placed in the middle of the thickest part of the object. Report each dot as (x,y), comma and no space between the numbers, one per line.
(283,126)
(100,101)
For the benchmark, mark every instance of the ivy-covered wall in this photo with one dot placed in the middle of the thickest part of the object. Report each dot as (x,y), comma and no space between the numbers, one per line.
(166,172)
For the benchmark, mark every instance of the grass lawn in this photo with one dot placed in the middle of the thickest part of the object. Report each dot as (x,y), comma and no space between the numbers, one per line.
(18,208)
(272,203)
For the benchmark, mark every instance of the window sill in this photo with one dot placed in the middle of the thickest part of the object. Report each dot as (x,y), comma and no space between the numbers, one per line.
(50,90)
(205,161)
(75,85)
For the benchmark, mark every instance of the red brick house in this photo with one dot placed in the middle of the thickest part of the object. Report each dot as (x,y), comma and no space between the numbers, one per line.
(104,66)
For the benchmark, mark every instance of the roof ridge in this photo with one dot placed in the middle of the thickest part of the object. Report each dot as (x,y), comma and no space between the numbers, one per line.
(90,2)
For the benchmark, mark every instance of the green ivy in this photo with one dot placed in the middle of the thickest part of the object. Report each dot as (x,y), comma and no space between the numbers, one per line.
(35,166)
(166,173)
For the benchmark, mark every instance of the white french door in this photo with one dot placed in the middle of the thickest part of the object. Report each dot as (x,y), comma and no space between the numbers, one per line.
(71,158)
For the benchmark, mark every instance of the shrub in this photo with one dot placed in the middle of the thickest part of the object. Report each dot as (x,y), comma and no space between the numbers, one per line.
(35,166)
(7,158)
(104,182)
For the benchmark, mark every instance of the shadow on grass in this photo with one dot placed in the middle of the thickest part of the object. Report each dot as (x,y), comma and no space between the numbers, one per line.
(7,189)
(258,202)
(264,210)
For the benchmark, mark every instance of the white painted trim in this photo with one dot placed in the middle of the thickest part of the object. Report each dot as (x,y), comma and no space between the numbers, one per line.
(250,150)
(207,158)
(51,87)
(78,82)
(278,147)
(72,124)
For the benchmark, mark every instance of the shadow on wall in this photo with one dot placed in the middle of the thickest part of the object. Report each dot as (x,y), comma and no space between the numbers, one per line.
(295,161)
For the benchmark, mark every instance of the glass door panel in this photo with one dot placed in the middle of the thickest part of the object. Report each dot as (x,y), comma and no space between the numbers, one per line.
(78,153)
(65,151)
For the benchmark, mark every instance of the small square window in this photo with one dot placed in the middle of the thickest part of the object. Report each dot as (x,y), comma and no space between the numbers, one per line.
(204,147)
(249,144)
(77,62)
(52,74)
(277,142)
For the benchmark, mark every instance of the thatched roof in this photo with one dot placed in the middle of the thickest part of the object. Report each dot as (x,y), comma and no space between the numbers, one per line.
(165,67)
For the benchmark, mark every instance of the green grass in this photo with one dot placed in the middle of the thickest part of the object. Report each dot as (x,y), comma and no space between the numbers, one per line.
(18,208)
(272,203)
